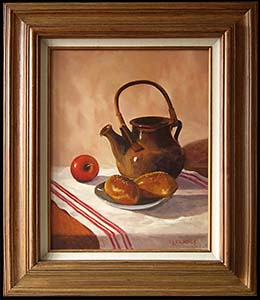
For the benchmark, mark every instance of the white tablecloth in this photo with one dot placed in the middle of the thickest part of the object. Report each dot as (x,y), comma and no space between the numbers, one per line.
(180,223)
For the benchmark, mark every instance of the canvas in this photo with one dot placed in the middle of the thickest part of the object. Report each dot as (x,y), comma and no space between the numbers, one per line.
(82,87)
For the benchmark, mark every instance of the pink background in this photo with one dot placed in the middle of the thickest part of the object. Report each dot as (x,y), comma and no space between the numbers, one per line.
(84,82)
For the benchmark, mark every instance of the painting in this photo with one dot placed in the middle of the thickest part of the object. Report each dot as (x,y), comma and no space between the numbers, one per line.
(129,154)
(60,83)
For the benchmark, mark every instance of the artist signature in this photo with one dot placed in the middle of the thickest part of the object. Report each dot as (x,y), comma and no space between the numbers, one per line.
(183,242)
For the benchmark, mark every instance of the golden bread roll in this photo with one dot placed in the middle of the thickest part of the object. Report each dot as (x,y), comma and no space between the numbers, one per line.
(122,190)
(156,185)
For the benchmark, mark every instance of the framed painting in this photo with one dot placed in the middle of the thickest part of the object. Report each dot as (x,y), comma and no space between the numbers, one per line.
(130,149)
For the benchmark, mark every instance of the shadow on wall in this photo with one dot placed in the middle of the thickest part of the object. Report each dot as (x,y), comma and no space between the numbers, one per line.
(196,157)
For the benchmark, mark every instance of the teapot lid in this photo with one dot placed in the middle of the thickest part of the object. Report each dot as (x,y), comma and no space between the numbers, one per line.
(151,123)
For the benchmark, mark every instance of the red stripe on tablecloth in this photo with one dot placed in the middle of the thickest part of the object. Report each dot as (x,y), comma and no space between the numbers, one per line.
(194,179)
(123,234)
(93,221)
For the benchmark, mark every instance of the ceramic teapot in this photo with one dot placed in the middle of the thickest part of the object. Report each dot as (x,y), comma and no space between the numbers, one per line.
(150,145)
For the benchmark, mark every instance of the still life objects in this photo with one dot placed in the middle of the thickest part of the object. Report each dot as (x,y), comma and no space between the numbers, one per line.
(150,145)
(84,168)
(122,190)
(148,155)
(156,185)
(146,189)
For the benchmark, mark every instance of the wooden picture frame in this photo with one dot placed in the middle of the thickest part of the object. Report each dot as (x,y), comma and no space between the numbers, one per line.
(24,26)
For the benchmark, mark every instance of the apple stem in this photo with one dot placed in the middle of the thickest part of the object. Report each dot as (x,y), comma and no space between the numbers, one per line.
(86,167)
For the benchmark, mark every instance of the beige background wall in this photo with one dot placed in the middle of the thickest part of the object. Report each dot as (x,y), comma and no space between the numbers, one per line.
(84,82)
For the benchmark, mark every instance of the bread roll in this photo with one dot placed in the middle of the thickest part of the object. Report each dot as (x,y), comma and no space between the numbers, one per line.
(122,190)
(156,185)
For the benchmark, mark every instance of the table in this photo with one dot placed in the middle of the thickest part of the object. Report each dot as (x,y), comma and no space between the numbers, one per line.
(67,233)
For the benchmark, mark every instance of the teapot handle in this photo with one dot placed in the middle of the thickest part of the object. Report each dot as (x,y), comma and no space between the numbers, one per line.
(124,128)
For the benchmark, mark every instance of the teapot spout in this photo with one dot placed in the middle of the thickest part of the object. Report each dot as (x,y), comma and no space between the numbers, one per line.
(118,144)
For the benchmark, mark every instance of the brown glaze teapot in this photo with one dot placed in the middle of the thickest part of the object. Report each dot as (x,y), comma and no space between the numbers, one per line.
(150,145)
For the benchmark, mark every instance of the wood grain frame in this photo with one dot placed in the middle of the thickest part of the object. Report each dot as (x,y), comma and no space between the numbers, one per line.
(24,25)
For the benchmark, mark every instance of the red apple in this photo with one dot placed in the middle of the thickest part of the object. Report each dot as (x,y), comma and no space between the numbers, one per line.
(84,168)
